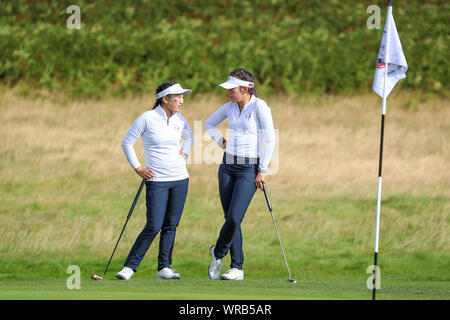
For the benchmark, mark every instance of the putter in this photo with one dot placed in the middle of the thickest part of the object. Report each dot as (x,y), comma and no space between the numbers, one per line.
(99,278)
(266,194)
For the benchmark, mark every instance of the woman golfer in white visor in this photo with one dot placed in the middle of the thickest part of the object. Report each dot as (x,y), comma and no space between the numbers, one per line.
(248,152)
(167,179)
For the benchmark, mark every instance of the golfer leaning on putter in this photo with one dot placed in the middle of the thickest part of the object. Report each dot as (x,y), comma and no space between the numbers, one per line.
(243,166)
(165,172)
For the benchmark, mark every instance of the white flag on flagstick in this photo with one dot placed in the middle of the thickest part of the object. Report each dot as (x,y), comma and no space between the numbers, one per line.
(395,58)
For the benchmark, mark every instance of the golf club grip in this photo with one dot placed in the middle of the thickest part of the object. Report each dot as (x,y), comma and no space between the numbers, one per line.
(136,198)
(266,194)
(126,222)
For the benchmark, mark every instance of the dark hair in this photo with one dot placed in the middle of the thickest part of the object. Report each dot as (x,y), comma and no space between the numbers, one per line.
(245,75)
(162,87)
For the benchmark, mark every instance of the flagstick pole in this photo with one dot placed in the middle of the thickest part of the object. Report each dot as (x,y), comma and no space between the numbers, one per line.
(380,163)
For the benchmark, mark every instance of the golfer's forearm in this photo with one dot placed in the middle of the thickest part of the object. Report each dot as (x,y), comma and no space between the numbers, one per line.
(188,141)
(266,156)
(133,134)
(212,122)
(267,134)
(213,132)
(130,154)
(139,170)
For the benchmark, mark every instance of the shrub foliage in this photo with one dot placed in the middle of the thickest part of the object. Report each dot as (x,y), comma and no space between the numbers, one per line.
(291,46)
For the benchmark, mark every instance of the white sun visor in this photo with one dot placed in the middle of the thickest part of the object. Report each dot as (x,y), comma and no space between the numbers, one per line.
(175,89)
(233,82)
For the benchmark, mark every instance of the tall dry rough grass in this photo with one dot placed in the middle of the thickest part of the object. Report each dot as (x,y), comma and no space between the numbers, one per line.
(66,185)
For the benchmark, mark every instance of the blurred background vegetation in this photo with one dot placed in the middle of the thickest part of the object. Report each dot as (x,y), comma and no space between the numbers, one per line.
(294,47)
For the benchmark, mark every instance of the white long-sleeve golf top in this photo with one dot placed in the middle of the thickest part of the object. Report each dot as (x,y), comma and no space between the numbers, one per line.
(251,131)
(161,139)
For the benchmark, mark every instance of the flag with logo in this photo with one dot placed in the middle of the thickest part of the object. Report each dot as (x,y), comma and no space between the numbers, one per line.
(395,57)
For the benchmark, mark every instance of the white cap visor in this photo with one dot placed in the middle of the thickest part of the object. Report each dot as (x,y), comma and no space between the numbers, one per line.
(233,82)
(175,89)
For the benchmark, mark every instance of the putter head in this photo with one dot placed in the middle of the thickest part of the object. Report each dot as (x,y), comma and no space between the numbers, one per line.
(96,277)
(291,281)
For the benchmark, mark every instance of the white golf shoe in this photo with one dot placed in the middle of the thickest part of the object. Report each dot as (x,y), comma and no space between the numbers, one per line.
(215,266)
(233,274)
(125,274)
(167,273)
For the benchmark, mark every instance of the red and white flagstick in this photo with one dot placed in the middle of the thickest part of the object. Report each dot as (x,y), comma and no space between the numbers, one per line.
(380,165)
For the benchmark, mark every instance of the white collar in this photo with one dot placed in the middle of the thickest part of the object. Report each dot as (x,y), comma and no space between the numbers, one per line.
(252,99)
(159,109)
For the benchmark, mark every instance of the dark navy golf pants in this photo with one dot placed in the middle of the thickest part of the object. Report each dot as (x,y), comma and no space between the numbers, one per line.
(237,188)
(165,203)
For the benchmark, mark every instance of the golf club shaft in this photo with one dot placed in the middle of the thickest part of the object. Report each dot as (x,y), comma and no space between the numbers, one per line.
(128,218)
(276,229)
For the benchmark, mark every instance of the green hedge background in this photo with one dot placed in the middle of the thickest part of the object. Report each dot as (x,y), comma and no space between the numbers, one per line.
(291,46)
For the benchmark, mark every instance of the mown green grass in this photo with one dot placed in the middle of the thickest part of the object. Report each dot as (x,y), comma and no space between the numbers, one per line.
(306,288)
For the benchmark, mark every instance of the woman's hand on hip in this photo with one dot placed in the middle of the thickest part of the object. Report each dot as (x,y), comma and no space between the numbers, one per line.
(184,155)
(145,173)
(259,180)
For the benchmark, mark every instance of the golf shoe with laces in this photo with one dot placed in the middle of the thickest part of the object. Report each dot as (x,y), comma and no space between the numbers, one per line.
(167,273)
(215,266)
(125,274)
(233,274)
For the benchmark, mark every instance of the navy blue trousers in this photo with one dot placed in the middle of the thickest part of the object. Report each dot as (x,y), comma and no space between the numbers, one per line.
(165,203)
(237,188)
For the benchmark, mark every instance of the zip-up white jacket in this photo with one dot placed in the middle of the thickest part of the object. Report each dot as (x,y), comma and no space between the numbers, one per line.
(251,132)
(161,138)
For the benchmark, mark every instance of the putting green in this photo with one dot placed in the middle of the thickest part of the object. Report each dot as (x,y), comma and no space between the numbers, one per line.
(205,289)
